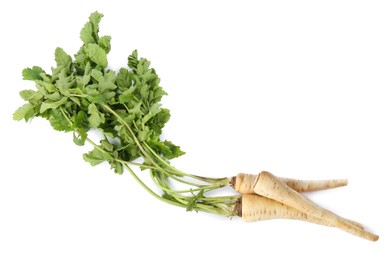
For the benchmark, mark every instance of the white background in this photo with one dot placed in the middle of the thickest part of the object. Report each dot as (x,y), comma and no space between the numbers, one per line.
(298,88)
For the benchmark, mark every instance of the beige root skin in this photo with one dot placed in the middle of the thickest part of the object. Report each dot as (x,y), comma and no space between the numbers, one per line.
(313,185)
(244,183)
(269,186)
(254,207)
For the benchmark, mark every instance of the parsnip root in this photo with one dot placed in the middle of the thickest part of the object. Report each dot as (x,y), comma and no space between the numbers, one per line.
(313,185)
(269,186)
(257,208)
(244,183)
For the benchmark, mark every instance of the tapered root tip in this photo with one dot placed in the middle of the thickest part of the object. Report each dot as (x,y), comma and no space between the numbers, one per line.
(372,237)
(367,235)
(342,182)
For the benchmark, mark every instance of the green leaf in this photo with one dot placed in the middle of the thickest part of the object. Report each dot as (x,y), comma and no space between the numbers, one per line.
(95,157)
(192,203)
(89,33)
(62,58)
(175,150)
(133,152)
(55,96)
(76,100)
(144,91)
(22,111)
(157,122)
(156,95)
(133,113)
(117,166)
(97,75)
(107,96)
(86,34)
(142,135)
(96,117)
(140,68)
(45,77)
(108,82)
(159,146)
(149,76)
(143,70)
(48,86)
(94,19)
(105,81)
(96,54)
(106,145)
(96,99)
(32,73)
(166,148)
(105,43)
(98,155)
(81,60)
(58,121)
(93,95)
(81,120)
(79,137)
(154,110)
(123,79)
(82,81)
(27,94)
(53,105)
(65,82)
(81,126)
(132,60)
(126,96)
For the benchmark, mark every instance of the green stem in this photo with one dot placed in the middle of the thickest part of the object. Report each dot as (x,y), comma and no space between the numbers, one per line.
(149,190)
(165,163)
(96,146)
(217,205)
(225,181)
(137,164)
(143,151)
(208,188)
(166,170)
(123,122)
(66,117)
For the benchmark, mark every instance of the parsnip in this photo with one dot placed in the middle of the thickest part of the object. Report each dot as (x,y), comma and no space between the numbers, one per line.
(244,183)
(255,208)
(269,186)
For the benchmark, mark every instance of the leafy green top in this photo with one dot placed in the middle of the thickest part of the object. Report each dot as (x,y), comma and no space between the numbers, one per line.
(74,96)
(82,94)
